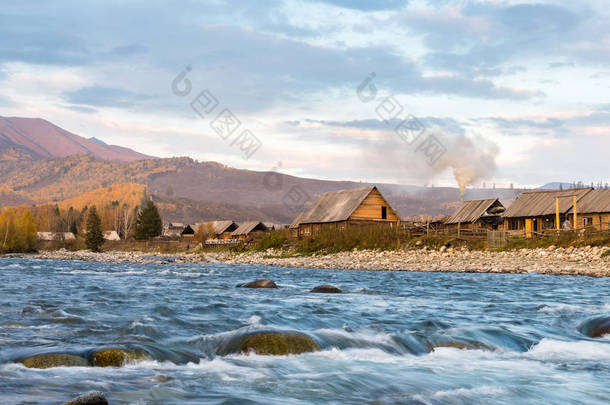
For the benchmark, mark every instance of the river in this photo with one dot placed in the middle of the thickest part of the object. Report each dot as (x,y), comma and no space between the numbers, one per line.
(390,338)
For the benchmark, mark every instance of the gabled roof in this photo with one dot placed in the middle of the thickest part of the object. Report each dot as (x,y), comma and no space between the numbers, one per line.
(188,230)
(247,227)
(471,211)
(594,202)
(222,226)
(335,206)
(540,203)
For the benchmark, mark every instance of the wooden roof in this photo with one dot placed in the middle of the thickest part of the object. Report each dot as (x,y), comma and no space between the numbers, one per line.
(471,211)
(541,203)
(594,202)
(247,227)
(223,226)
(335,206)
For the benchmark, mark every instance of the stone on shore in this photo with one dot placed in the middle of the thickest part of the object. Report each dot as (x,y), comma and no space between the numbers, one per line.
(278,343)
(263,283)
(326,289)
(91,398)
(49,360)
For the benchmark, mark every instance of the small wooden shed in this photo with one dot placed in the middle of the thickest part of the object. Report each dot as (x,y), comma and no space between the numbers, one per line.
(477,214)
(339,209)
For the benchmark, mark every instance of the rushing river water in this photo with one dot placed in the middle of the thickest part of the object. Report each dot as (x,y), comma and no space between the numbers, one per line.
(391,338)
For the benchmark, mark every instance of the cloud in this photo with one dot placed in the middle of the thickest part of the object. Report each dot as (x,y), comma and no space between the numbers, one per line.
(102,96)
(82,109)
(366,5)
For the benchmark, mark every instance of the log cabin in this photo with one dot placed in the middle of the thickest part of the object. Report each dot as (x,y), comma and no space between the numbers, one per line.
(592,210)
(340,209)
(543,211)
(477,214)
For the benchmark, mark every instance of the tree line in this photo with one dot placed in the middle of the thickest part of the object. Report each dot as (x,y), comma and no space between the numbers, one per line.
(18,226)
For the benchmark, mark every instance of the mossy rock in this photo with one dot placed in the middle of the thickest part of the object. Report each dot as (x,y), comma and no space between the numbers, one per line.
(91,398)
(458,344)
(49,360)
(326,289)
(115,357)
(277,343)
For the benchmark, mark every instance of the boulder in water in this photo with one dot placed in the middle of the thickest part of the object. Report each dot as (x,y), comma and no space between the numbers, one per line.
(114,357)
(596,327)
(263,283)
(49,360)
(278,343)
(326,289)
(91,398)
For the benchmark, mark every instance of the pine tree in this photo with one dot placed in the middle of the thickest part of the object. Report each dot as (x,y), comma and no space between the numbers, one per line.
(148,224)
(94,238)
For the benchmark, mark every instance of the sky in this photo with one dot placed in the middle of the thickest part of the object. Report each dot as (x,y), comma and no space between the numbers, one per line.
(403,91)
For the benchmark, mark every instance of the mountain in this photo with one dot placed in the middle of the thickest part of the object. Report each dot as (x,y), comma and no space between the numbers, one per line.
(186,190)
(556,186)
(35,139)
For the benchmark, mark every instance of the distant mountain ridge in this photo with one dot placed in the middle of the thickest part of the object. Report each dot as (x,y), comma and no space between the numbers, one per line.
(185,189)
(36,139)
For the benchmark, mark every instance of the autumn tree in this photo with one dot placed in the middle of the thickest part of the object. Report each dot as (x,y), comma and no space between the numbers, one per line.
(17,231)
(94,238)
(148,223)
(204,231)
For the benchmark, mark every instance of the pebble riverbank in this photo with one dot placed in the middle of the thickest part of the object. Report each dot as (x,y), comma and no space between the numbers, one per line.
(587,261)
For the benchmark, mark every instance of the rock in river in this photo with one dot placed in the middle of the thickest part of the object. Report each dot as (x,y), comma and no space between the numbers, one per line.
(326,289)
(264,283)
(91,398)
(49,360)
(278,343)
(114,357)
(596,327)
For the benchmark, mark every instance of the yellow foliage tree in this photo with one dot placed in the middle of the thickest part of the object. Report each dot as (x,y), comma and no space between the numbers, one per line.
(17,230)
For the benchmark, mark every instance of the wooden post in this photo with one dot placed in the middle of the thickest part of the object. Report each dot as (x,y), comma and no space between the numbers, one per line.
(459,229)
(557,219)
(575,209)
(428,227)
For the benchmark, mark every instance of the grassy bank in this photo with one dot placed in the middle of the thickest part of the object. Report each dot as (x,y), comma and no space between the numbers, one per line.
(331,241)
(384,238)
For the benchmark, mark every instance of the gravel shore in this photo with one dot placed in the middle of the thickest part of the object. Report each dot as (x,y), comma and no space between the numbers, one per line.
(587,261)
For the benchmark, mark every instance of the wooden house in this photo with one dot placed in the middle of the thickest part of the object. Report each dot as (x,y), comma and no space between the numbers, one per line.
(543,211)
(477,214)
(592,210)
(248,230)
(340,209)
(173,229)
